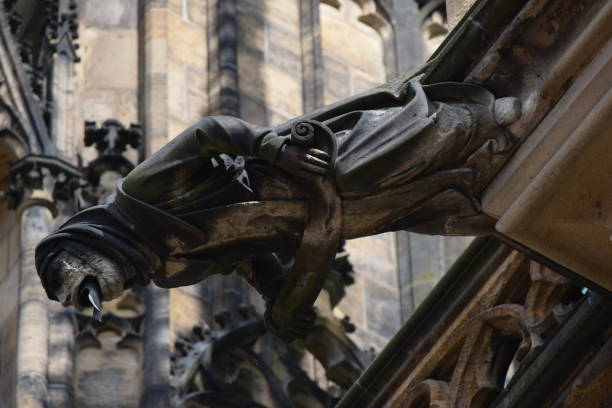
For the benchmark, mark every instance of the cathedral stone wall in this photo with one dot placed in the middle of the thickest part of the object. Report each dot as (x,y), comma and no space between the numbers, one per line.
(269,60)
(9,289)
(107,75)
(353,55)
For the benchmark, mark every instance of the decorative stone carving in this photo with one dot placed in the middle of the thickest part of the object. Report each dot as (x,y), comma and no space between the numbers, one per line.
(111,140)
(55,34)
(128,329)
(42,180)
(479,356)
(241,365)
(402,156)
(200,372)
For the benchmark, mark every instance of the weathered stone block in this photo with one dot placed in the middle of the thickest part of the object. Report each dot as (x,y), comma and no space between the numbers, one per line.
(382,309)
(251,76)
(251,30)
(252,109)
(186,42)
(197,106)
(176,126)
(155,24)
(13,248)
(196,11)
(361,82)
(288,60)
(148,4)
(177,90)
(283,11)
(175,6)
(282,89)
(126,105)
(110,59)
(340,34)
(185,308)
(337,85)
(375,258)
(281,35)
(156,52)
(97,104)
(107,376)
(109,14)
(367,339)
(353,303)
(276,118)
(4,268)
(197,80)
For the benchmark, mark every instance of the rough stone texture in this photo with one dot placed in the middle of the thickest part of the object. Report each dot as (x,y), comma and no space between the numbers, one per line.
(9,281)
(33,327)
(382,312)
(353,61)
(107,376)
(106,81)
(456,9)
(423,261)
(186,305)
(350,49)
(409,46)
(109,14)
(186,42)
(269,61)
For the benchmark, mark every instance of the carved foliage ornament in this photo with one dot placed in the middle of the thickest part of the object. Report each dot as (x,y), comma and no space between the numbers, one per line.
(42,180)
(481,355)
(242,365)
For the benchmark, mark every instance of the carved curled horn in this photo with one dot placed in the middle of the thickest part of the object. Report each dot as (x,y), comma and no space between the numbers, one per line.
(302,133)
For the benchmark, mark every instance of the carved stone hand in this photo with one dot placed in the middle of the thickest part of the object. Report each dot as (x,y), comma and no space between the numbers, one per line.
(303,161)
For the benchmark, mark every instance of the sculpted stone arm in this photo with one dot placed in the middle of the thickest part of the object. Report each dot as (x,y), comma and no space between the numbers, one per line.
(225,134)
(180,164)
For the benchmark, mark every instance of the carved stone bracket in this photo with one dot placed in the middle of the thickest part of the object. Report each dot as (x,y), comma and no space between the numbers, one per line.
(41,180)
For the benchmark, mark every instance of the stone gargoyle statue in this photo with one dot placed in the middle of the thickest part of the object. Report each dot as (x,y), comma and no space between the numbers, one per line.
(226,195)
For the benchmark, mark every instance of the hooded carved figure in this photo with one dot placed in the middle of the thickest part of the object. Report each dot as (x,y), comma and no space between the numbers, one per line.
(226,195)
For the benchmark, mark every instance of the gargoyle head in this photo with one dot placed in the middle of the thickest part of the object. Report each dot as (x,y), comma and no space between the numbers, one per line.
(64,274)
